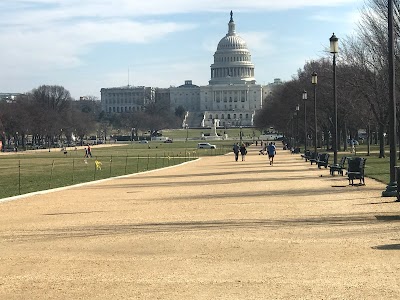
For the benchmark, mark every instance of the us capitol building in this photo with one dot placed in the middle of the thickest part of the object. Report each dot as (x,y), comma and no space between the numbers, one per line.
(231,98)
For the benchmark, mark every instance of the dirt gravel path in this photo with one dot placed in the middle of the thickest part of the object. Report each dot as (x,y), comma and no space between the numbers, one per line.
(209,229)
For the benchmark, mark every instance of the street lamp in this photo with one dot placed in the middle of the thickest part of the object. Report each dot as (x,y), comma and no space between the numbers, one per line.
(187,132)
(393,188)
(314,81)
(334,48)
(297,125)
(305,119)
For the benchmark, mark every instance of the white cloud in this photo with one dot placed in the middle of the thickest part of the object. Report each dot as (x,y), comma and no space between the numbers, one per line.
(51,35)
(63,45)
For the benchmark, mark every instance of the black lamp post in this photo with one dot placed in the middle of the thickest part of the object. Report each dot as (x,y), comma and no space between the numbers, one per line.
(305,119)
(334,48)
(392,188)
(292,140)
(314,81)
(297,125)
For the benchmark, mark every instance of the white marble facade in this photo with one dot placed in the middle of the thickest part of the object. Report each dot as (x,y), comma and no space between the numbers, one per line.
(232,95)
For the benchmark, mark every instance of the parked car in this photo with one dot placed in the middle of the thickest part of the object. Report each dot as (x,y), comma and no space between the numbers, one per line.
(206,146)
(144,141)
(168,141)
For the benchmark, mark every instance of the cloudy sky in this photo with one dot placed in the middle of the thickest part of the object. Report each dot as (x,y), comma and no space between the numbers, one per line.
(85,45)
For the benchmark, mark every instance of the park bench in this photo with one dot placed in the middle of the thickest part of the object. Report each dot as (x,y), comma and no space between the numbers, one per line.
(323,160)
(338,167)
(306,154)
(314,157)
(355,169)
(296,150)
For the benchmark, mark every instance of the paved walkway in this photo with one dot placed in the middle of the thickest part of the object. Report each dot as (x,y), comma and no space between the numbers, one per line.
(210,229)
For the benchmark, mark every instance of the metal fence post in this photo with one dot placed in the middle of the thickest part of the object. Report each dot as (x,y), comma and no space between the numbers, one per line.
(110,165)
(126,163)
(95,169)
(19,177)
(73,169)
(51,174)
(398,185)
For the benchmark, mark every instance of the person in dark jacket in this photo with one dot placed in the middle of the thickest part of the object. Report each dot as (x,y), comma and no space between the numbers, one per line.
(243,151)
(236,151)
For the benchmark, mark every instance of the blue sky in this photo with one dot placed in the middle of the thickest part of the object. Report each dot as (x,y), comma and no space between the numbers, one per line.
(85,45)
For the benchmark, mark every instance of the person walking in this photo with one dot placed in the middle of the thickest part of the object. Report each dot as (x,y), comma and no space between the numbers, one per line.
(271,149)
(236,151)
(243,151)
(89,151)
(263,150)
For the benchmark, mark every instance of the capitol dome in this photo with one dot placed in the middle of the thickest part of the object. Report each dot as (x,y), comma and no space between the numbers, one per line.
(232,60)
(231,42)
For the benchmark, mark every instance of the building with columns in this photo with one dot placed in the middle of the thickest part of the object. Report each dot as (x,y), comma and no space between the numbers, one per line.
(186,95)
(126,99)
(232,96)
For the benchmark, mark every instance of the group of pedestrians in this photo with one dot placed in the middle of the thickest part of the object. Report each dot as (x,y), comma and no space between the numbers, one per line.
(88,152)
(239,149)
(270,149)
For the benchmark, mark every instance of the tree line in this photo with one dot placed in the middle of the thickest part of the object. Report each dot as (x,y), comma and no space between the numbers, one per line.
(50,117)
(362,85)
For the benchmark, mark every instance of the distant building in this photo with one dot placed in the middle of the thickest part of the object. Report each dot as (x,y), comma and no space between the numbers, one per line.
(232,96)
(186,95)
(162,95)
(9,97)
(127,98)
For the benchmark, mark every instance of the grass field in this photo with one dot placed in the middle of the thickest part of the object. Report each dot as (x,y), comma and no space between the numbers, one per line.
(233,133)
(31,171)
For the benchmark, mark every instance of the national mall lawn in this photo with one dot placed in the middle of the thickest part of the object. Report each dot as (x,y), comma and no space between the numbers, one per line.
(30,171)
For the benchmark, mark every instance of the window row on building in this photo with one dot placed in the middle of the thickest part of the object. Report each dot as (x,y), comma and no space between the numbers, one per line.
(228,116)
(118,109)
(232,58)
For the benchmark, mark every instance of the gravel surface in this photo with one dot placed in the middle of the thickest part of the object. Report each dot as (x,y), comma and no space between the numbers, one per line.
(209,229)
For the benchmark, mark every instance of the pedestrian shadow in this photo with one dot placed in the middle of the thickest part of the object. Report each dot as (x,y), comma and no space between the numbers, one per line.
(387,247)
(388,218)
